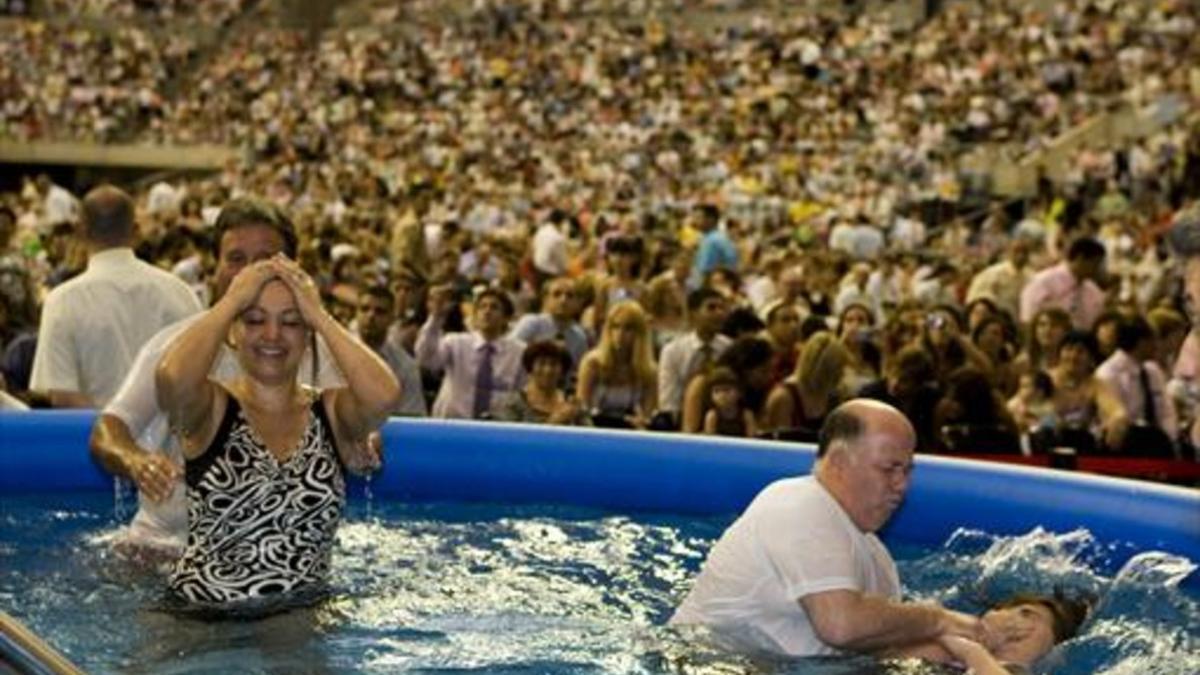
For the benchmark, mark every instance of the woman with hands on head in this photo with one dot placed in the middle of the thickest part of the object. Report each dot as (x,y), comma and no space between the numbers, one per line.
(265,455)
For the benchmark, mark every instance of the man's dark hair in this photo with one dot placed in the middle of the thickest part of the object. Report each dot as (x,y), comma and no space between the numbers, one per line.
(545,349)
(746,353)
(712,214)
(381,292)
(912,364)
(1068,613)
(1086,248)
(250,211)
(1131,331)
(1081,338)
(844,425)
(701,295)
(505,301)
(107,216)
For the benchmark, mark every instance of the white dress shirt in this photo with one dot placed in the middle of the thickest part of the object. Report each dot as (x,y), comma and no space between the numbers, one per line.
(1123,373)
(457,356)
(679,362)
(94,325)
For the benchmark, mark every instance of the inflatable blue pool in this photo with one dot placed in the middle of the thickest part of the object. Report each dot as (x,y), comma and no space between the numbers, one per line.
(511,548)
(432,460)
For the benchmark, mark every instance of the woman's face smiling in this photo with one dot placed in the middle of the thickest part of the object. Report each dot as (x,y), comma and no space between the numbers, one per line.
(271,335)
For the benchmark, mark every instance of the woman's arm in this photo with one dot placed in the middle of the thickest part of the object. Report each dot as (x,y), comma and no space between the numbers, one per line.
(1113,418)
(777,413)
(184,390)
(585,384)
(372,390)
(751,423)
(710,422)
(693,405)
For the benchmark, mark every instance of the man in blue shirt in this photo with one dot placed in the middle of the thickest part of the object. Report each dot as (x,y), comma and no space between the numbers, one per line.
(715,249)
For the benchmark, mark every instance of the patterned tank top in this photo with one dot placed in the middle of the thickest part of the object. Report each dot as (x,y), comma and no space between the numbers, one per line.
(260,530)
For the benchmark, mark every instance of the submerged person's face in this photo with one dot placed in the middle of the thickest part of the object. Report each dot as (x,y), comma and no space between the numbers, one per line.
(1032,626)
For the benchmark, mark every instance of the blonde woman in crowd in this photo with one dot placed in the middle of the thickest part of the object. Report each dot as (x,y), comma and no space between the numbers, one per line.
(618,379)
(800,403)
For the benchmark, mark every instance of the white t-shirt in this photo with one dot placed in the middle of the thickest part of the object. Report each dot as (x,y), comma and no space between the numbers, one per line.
(164,524)
(794,540)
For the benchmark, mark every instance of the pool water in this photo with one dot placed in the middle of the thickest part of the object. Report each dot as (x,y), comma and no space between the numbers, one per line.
(453,588)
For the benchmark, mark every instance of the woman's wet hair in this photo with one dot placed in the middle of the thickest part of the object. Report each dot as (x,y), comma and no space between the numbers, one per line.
(1068,612)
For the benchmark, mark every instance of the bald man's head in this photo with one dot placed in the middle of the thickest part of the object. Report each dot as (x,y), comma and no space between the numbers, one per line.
(850,421)
(108,217)
(866,456)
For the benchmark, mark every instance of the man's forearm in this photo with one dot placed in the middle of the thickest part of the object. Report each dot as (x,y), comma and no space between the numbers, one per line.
(866,623)
(112,445)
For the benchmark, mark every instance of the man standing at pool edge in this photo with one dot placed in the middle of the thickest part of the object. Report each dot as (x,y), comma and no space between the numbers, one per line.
(801,572)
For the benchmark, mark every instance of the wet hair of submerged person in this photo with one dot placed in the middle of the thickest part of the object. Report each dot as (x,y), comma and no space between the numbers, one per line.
(1068,612)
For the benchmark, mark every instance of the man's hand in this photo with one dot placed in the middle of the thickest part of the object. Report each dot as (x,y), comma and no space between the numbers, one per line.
(963,625)
(1004,627)
(155,475)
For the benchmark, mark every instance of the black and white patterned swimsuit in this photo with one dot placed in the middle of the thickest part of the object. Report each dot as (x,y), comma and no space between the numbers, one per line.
(259,529)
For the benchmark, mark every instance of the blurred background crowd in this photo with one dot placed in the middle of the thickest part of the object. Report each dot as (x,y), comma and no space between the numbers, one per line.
(714,217)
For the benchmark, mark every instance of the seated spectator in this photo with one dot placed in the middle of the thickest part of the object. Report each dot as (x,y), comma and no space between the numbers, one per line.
(623,255)
(1042,340)
(727,413)
(1105,332)
(617,379)
(783,332)
(856,330)
(542,400)
(942,339)
(994,340)
(666,304)
(556,321)
(1140,386)
(910,385)
(750,357)
(740,321)
(693,352)
(1171,329)
(971,416)
(1032,408)
(372,321)
(797,407)
(1087,409)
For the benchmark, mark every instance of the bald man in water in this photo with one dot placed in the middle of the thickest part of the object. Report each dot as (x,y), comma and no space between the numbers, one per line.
(802,573)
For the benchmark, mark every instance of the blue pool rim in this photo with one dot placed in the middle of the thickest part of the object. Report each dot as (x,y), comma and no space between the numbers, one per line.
(440,460)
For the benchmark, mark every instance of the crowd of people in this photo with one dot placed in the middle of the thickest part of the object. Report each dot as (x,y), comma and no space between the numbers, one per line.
(549,212)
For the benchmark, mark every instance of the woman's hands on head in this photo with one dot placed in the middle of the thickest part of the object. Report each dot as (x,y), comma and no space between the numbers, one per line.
(248,283)
(308,298)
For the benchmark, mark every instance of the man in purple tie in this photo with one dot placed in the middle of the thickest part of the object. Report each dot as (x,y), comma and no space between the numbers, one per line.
(477,367)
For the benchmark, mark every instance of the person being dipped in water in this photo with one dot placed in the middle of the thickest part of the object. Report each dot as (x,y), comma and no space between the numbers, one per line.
(265,455)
